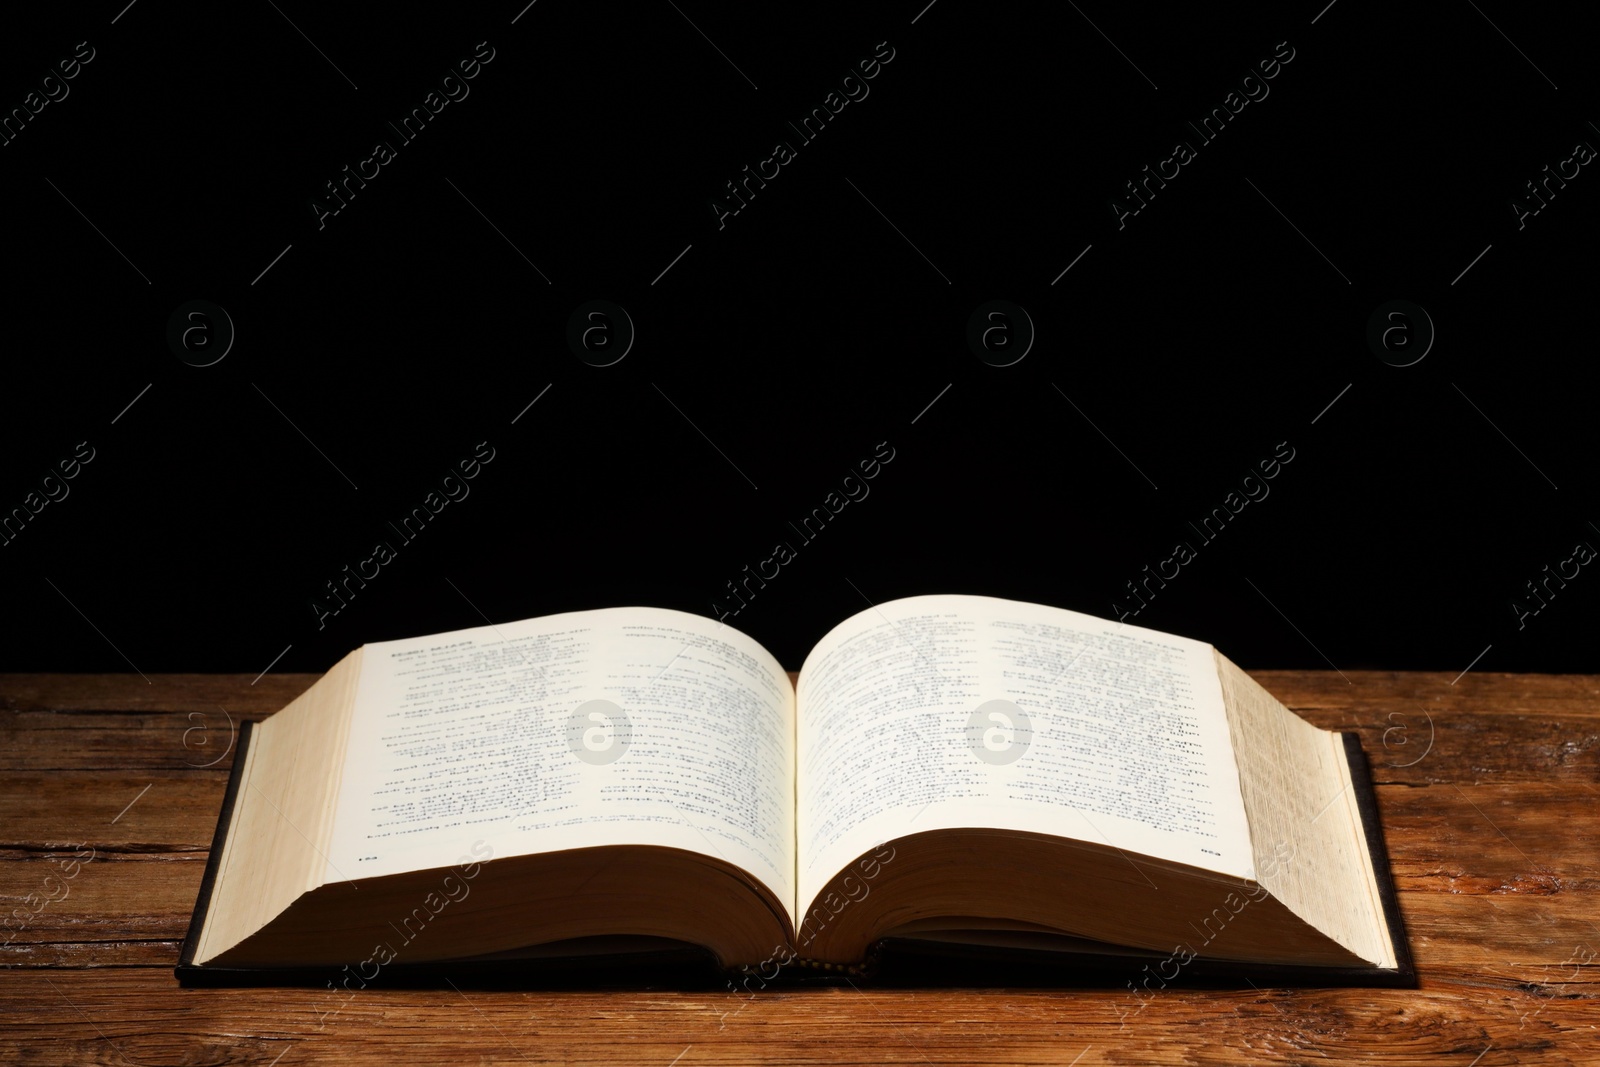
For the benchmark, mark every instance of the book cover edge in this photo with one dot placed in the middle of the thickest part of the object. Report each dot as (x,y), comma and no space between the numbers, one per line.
(1377,847)
(202,903)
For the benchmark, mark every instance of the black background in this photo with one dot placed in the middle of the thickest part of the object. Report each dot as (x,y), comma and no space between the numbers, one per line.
(823,319)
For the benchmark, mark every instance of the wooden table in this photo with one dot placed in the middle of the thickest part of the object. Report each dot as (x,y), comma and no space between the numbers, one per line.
(1489,788)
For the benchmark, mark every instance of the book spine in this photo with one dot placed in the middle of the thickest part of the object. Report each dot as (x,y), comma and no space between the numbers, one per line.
(864,969)
(853,970)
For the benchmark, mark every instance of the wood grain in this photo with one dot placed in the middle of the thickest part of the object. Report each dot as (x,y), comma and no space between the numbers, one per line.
(1489,790)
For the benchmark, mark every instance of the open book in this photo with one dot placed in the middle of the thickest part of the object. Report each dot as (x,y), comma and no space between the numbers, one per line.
(955,774)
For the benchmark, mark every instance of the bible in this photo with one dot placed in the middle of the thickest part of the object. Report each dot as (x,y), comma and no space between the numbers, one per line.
(955,780)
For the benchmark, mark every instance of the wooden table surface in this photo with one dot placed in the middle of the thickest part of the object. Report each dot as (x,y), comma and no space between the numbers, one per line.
(1489,789)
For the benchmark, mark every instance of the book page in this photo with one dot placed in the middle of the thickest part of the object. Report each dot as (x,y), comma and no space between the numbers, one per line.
(623,726)
(936,712)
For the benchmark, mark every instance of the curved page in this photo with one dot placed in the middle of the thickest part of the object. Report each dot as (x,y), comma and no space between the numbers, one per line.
(624,726)
(936,712)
